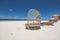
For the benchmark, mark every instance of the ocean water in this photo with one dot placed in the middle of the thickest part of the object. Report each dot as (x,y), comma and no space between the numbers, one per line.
(17,19)
(13,19)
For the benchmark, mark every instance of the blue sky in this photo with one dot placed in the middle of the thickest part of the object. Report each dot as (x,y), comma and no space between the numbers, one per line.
(18,9)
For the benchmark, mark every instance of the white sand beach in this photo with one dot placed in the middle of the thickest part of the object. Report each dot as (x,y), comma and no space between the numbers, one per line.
(15,30)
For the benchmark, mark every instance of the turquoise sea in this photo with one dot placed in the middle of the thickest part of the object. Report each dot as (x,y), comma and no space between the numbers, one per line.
(13,19)
(17,19)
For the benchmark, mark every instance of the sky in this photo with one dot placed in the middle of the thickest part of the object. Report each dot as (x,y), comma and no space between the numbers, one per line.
(18,9)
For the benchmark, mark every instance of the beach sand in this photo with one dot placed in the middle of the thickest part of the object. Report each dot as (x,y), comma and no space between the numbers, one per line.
(15,30)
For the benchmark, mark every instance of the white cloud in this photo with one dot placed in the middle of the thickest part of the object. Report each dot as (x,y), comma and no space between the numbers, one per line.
(10,10)
(6,17)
